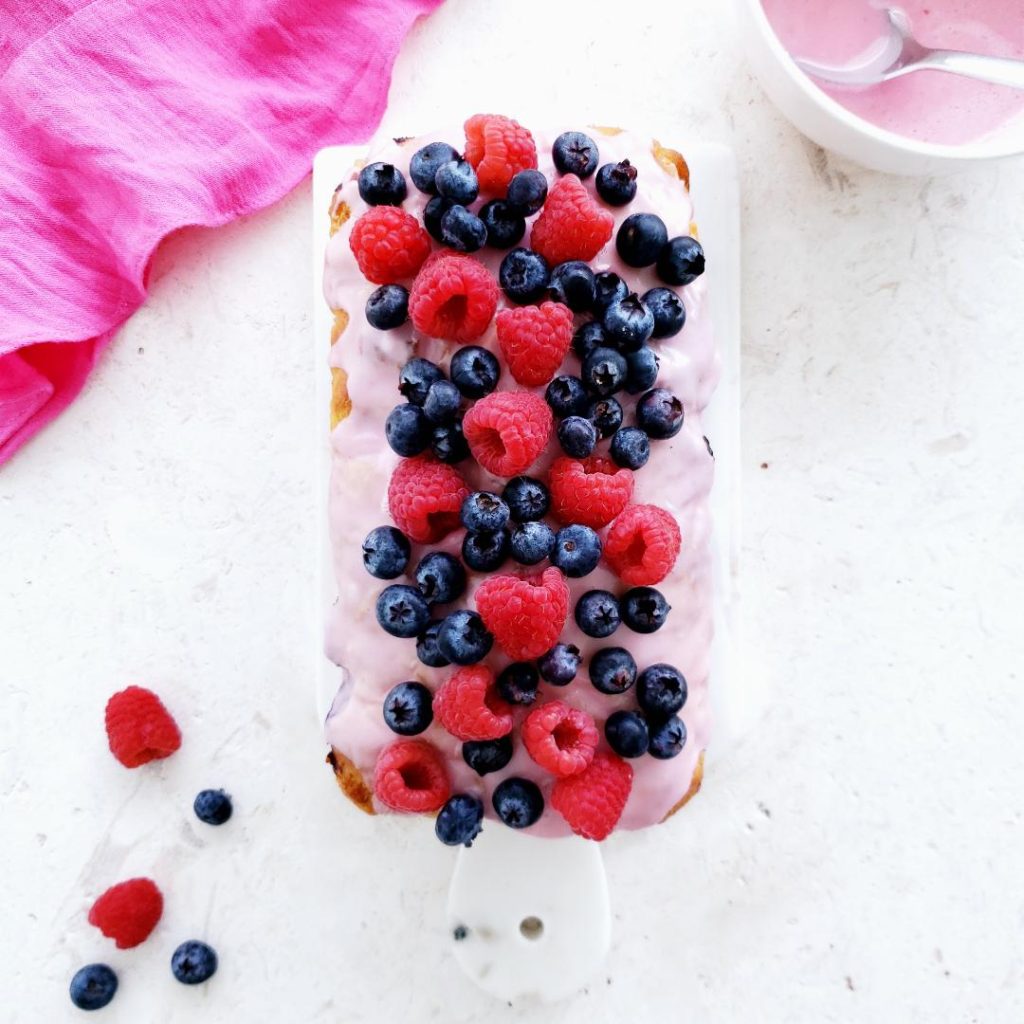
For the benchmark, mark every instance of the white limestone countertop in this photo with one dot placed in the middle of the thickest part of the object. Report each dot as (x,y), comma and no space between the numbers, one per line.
(858,859)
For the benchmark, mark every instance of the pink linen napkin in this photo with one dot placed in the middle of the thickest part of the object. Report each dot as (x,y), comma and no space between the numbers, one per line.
(123,120)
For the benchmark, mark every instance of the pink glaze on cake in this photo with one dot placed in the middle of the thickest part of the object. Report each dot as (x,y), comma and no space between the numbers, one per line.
(678,477)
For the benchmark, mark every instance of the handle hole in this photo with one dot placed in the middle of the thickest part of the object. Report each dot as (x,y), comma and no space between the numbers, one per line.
(531,928)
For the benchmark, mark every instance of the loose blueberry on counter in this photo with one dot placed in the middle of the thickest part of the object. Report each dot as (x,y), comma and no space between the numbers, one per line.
(604,372)
(641,370)
(193,962)
(575,153)
(567,396)
(458,822)
(523,275)
(640,239)
(456,180)
(484,511)
(573,285)
(667,739)
(408,709)
(486,552)
(628,323)
(408,430)
(612,670)
(644,609)
(386,552)
(608,287)
(382,184)
(504,223)
(528,499)
(93,986)
(577,436)
(463,231)
(531,543)
(475,371)
(402,611)
(442,403)
(681,261)
(560,665)
(577,551)
(616,183)
(668,309)
(630,448)
(486,756)
(433,214)
(517,683)
(660,414)
(661,690)
(518,802)
(463,638)
(415,378)
(527,191)
(597,613)
(427,649)
(212,806)
(606,415)
(449,444)
(426,162)
(587,338)
(627,733)
(388,307)
(440,577)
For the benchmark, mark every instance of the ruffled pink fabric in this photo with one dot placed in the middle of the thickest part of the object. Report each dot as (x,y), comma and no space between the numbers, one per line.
(123,120)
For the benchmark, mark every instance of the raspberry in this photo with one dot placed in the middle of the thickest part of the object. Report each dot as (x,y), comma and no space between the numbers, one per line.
(424,498)
(128,912)
(534,340)
(389,244)
(592,802)
(642,545)
(469,707)
(453,297)
(560,738)
(411,776)
(525,613)
(139,728)
(590,491)
(498,148)
(507,431)
(571,226)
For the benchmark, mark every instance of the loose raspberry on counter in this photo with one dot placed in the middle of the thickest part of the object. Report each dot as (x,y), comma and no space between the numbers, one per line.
(411,776)
(560,738)
(453,298)
(593,801)
(534,340)
(507,431)
(128,912)
(525,613)
(642,545)
(571,226)
(591,491)
(388,244)
(498,148)
(139,728)
(469,706)
(424,498)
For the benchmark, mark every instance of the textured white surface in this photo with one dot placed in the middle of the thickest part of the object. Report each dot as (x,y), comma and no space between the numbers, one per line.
(857,860)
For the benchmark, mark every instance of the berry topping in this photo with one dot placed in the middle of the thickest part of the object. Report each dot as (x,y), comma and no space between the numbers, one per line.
(593,801)
(577,550)
(612,670)
(440,577)
(661,690)
(504,224)
(589,337)
(499,148)
(507,431)
(641,370)
(681,261)
(567,396)
(534,340)
(475,371)
(517,683)
(463,638)
(592,492)
(518,802)
(531,543)
(193,962)
(606,415)
(442,403)
(408,430)
(387,307)
(604,371)
(642,545)
(630,447)
(527,499)
(128,912)
(407,709)
(411,776)
(448,444)
(453,297)
(212,806)
(527,191)
(486,552)
(628,322)
(560,738)
(427,649)
(424,498)
(525,614)
(402,611)
(523,275)
(667,739)
(627,733)
(560,665)
(388,244)
(668,310)
(640,238)
(608,288)
(616,183)
(571,226)
(597,613)
(426,162)
(575,153)
(139,728)
(644,609)
(433,215)
(660,414)
(458,822)
(483,510)
(456,181)
(382,184)
(93,986)
(416,377)
(486,756)
(386,552)
(469,707)
(577,436)
(573,285)
(462,230)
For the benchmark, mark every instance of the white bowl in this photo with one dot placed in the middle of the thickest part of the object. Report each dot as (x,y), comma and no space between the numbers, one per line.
(834,127)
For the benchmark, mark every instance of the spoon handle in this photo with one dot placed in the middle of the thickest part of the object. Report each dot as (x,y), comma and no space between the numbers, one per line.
(998,70)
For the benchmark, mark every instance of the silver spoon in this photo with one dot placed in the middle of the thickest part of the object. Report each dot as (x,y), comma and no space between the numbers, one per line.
(901,54)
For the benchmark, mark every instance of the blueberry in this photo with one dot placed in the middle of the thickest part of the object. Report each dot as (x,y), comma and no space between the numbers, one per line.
(486,756)
(630,448)
(427,649)
(518,802)
(597,613)
(575,153)
(415,378)
(407,429)
(458,822)
(567,396)
(484,511)
(433,215)
(616,183)
(588,337)
(577,551)
(193,962)
(456,180)
(486,552)
(440,577)
(527,499)
(463,638)
(668,310)
(661,690)
(382,184)
(527,191)
(627,733)
(448,443)
(560,665)
(408,709)
(628,322)
(388,307)
(463,231)
(426,162)
(442,403)
(212,806)
(644,609)
(504,224)
(604,372)
(660,414)
(641,370)
(612,670)
(386,552)
(474,371)
(531,543)
(573,285)
(608,287)
(606,415)
(93,986)
(667,739)
(517,683)
(577,436)
(524,275)
(640,238)
(681,261)
(402,611)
